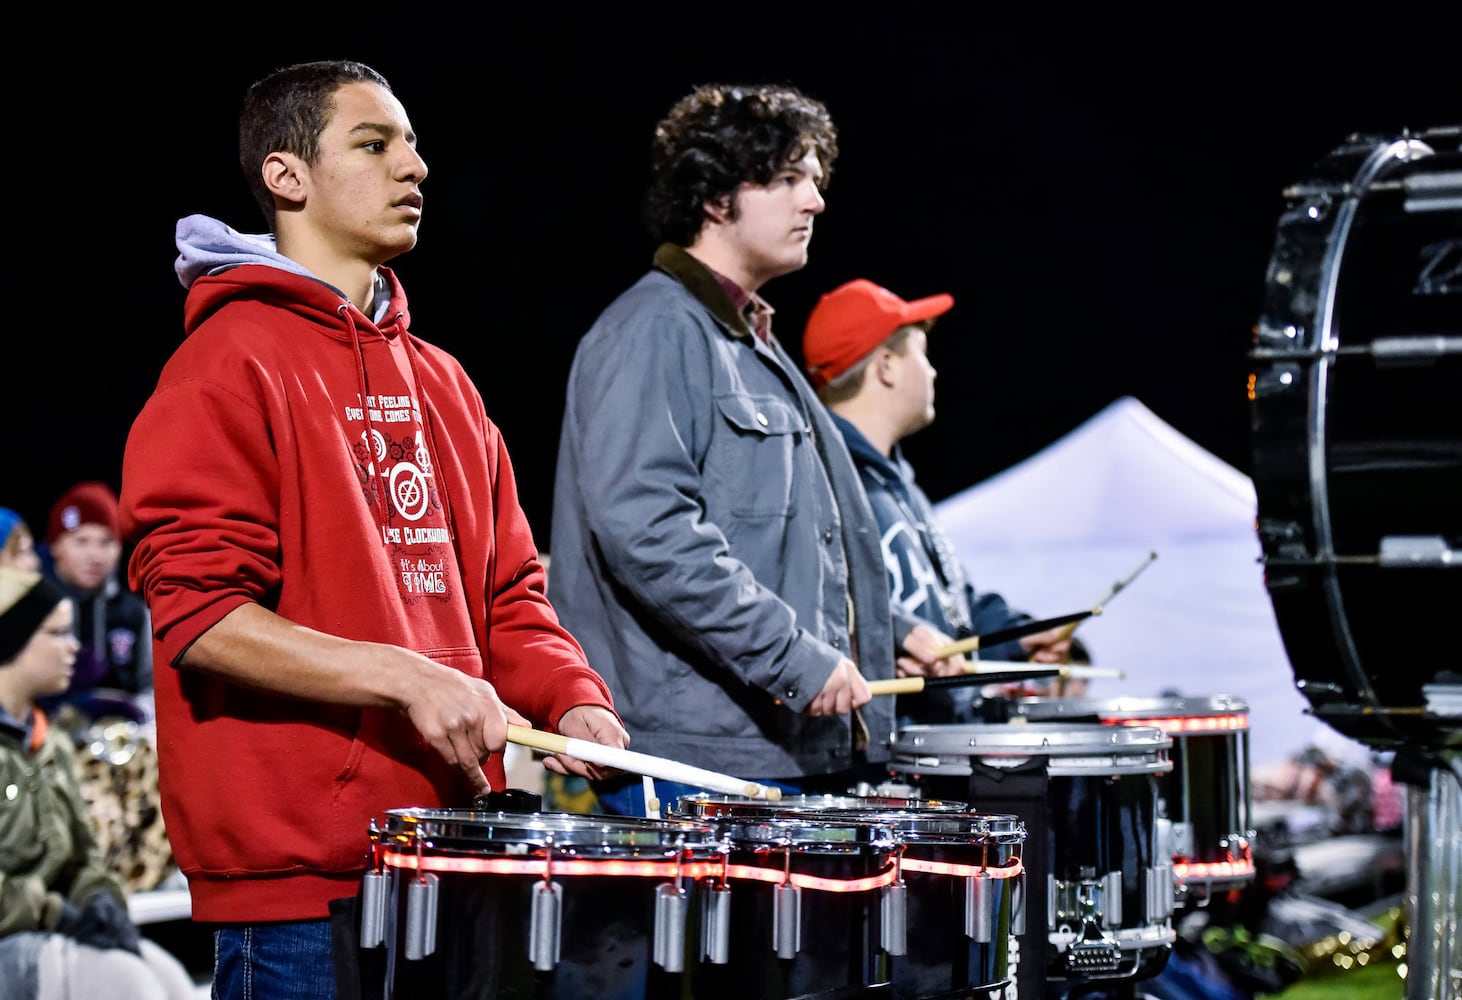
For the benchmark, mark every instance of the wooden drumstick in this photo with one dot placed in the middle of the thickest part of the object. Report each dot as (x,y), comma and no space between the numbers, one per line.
(990,672)
(1117,588)
(1014,632)
(641,763)
(1069,671)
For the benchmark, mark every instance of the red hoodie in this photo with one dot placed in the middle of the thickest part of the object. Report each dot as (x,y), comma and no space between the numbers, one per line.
(254,473)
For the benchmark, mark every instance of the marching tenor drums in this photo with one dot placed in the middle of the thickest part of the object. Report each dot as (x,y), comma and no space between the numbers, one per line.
(942,927)
(1099,884)
(1357,434)
(1205,799)
(529,905)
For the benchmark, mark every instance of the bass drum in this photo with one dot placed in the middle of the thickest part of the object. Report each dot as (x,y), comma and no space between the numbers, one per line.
(1357,431)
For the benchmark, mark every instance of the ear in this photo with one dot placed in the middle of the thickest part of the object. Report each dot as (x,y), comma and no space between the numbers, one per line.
(719,210)
(286,176)
(883,366)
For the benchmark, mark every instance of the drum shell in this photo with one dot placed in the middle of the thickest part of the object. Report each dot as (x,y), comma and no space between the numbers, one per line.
(940,958)
(1357,437)
(838,953)
(606,936)
(1207,792)
(1088,796)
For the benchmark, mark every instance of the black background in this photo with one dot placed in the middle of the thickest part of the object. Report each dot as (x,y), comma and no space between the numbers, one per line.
(1099,198)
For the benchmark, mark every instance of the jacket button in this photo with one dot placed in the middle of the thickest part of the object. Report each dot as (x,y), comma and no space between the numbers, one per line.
(827,535)
(791,692)
(761,418)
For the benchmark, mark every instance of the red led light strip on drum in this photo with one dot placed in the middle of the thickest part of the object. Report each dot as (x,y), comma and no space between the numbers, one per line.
(1010,870)
(692,869)
(1197,871)
(561,866)
(1189,724)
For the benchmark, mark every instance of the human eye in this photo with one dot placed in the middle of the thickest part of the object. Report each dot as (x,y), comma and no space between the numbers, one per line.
(375,145)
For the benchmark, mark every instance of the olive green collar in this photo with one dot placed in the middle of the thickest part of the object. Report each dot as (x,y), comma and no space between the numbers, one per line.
(700,282)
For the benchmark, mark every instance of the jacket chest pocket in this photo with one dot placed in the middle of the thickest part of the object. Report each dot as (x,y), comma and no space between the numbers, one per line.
(758,452)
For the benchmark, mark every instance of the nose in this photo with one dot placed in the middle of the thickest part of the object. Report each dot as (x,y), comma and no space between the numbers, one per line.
(814,203)
(414,167)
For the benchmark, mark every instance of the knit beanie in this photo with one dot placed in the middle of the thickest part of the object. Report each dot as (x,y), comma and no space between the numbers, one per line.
(25,600)
(84,503)
(8,520)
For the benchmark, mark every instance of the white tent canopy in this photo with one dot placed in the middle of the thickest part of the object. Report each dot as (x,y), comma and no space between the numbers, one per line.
(1055,533)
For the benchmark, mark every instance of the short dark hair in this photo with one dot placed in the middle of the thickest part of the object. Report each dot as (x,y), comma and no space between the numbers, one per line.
(286,112)
(848,384)
(719,137)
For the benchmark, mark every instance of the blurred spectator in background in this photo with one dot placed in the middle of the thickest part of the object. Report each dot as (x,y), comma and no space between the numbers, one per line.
(82,553)
(64,926)
(17,543)
(1349,782)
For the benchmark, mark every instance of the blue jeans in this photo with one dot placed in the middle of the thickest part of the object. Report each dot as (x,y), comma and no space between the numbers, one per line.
(277,961)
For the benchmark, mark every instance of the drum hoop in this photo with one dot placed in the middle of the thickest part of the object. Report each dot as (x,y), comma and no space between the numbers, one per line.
(930,826)
(1032,739)
(564,831)
(1126,707)
(804,833)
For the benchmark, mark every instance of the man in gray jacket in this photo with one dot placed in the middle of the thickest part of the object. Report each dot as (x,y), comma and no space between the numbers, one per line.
(712,547)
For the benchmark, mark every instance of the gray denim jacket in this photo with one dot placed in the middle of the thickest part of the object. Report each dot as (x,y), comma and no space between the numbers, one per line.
(710,537)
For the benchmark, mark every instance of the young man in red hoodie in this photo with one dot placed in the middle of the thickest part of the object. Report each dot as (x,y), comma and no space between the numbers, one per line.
(348,604)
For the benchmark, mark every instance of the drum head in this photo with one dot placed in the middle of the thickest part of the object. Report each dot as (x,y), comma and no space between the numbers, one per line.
(1357,433)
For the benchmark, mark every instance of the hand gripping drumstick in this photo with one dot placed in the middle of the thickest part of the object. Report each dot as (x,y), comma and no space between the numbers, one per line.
(1014,632)
(641,763)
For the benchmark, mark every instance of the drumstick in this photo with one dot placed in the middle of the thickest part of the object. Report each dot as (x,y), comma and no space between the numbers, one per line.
(1014,632)
(1117,588)
(913,685)
(641,763)
(992,672)
(1069,670)
(652,801)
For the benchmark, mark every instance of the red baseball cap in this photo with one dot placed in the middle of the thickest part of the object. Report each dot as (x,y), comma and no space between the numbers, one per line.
(853,319)
(84,503)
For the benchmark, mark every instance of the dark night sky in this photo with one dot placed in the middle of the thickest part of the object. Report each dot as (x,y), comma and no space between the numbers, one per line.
(1100,201)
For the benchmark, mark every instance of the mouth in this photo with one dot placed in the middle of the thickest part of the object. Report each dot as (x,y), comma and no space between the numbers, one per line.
(411,204)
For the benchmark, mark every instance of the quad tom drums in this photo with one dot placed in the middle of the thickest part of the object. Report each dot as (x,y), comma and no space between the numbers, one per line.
(1204,803)
(942,927)
(530,905)
(1357,434)
(1099,885)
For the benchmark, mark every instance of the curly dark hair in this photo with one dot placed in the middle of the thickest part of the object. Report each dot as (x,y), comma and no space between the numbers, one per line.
(719,137)
(286,111)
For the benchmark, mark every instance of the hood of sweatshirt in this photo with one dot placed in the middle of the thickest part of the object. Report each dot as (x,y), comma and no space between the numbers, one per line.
(217,264)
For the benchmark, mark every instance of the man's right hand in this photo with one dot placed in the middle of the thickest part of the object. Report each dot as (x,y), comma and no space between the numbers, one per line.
(844,691)
(461,717)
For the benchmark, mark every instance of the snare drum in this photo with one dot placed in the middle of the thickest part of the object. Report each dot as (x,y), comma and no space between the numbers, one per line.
(1357,434)
(944,924)
(795,913)
(1204,803)
(534,905)
(1099,892)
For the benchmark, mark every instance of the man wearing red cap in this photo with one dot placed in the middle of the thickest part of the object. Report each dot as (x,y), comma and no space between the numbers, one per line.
(82,554)
(865,351)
